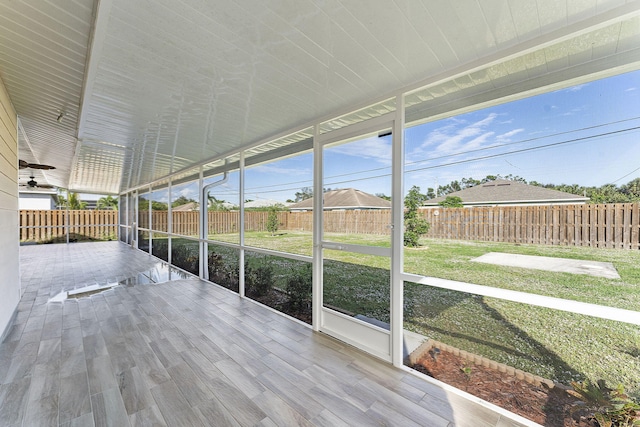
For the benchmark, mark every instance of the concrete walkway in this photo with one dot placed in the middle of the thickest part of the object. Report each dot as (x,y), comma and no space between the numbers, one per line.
(561,265)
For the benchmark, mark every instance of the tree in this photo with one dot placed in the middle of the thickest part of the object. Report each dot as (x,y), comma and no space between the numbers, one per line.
(414,225)
(632,189)
(304,194)
(383,196)
(469,182)
(451,202)
(110,203)
(182,200)
(607,193)
(143,205)
(72,201)
(272,220)
(159,206)
(216,204)
(451,187)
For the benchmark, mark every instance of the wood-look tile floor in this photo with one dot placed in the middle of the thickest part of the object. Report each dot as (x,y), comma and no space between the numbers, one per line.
(189,353)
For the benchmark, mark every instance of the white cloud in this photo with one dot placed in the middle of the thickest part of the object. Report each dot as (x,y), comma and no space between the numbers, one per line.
(451,138)
(461,139)
(374,148)
(478,141)
(190,192)
(506,137)
(576,88)
(276,170)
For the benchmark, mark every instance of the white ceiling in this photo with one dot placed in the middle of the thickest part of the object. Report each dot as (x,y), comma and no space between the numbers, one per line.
(149,87)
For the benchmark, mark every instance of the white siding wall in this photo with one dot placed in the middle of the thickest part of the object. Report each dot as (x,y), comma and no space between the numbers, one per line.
(36,202)
(9,242)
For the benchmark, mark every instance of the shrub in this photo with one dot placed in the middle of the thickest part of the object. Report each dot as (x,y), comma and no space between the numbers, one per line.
(414,226)
(258,280)
(272,221)
(451,202)
(184,257)
(299,289)
(223,272)
(608,407)
(160,248)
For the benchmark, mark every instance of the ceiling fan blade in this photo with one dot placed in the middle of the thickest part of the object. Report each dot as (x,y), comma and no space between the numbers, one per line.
(42,167)
(24,165)
(44,186)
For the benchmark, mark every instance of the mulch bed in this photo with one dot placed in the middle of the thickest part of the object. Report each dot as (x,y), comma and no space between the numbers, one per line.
(546,406)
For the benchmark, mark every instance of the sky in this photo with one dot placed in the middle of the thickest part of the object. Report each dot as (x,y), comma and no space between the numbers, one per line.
(587,134)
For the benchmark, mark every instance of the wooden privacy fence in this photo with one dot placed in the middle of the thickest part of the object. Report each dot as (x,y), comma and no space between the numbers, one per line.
(221,222)
(46,225)
(598,226)
(615,225)
(187,223)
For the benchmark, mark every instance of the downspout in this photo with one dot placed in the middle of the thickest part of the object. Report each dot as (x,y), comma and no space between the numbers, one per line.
(204,217)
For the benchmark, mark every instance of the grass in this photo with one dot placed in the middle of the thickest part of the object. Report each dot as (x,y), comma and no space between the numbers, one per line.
(451,260)
(556,345)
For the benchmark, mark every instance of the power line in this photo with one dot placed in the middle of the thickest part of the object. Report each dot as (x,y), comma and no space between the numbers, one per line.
(253,189)
(523,141)
(290,187)
(622,177)
(522,150)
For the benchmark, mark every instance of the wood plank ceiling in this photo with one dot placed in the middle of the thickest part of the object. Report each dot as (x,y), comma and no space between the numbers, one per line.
(147,88)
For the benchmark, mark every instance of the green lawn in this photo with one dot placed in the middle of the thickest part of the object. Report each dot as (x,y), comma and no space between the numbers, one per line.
(554,344)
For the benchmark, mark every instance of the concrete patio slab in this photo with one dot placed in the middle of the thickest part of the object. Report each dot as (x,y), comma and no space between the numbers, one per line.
(562,265)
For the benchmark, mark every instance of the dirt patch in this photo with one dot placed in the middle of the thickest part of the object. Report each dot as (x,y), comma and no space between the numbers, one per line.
(548,406)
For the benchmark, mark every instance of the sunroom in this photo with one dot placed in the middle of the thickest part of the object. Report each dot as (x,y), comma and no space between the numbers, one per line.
(222,104)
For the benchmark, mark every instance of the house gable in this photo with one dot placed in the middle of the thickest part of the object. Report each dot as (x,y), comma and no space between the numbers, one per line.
(505,192)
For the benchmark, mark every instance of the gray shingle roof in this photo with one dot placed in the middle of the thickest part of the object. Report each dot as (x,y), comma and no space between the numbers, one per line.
(347,198)
(509,192)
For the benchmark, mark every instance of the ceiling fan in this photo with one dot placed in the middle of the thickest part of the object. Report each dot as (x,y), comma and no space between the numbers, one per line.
(24,165)
(32,183)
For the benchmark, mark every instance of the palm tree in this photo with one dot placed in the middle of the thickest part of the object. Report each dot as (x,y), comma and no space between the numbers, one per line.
(108,202)
(72,201)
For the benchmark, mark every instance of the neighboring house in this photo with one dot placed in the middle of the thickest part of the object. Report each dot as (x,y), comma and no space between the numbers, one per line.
(37,200)
(348,198)
(510,193)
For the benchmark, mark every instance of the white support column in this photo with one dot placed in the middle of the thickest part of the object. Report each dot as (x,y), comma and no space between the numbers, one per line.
(202,234)
(169,221)
(134,223)
(397,233)
(150,224)
(317,232)
(241,284)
